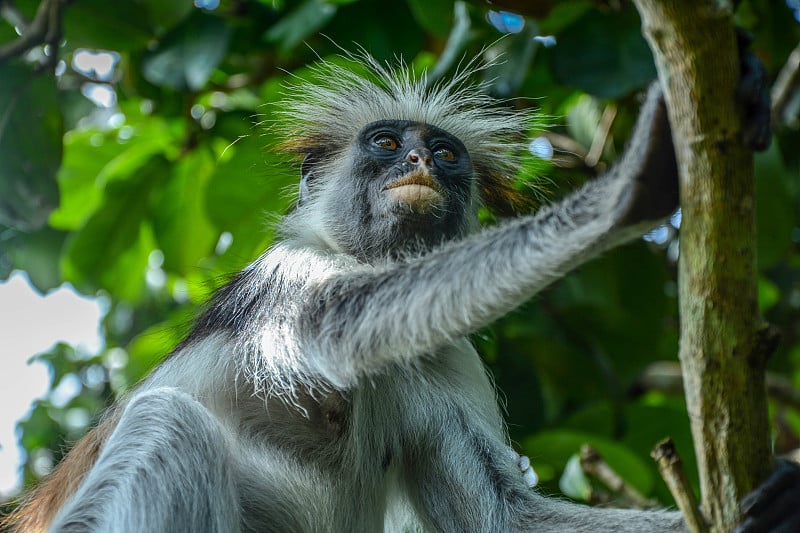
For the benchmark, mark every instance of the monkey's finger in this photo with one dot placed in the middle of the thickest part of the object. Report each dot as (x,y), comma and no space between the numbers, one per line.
(753,96)
(529,475)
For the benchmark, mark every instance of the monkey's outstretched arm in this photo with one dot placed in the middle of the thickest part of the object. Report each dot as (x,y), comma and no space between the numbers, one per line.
(358,320)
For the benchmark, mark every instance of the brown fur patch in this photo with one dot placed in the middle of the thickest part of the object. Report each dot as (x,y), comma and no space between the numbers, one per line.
(38,508)
(503,198)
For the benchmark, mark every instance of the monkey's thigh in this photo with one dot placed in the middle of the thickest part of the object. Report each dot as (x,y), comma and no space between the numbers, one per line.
(166,467)
(465,482)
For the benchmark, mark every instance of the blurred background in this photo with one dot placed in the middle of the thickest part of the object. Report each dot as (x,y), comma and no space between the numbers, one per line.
(136,175)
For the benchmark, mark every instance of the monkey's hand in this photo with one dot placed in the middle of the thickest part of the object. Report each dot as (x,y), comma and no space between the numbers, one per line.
(649,161)
(529,476)
(775,505)
(753,96)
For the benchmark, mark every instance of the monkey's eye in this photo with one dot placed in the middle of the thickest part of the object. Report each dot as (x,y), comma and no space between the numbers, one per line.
(386,142)
(444,153)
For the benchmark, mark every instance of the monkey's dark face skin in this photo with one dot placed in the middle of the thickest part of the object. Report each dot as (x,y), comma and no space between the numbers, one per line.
(411,187)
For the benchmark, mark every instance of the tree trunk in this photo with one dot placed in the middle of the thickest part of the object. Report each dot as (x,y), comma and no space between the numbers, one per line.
(695,49)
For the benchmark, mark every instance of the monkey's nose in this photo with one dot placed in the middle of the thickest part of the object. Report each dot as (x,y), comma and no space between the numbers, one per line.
(420,156)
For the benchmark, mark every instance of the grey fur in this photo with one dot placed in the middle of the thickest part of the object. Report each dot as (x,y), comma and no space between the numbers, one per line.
(165,438)
(321,392)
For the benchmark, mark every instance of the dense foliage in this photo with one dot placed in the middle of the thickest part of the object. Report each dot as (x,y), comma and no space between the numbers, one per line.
(135,165)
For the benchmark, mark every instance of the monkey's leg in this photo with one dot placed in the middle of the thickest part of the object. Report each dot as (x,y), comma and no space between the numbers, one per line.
(461,483)
(537,513)
(166,467)
(479,489)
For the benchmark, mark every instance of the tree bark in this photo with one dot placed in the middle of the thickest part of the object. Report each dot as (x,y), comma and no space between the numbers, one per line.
(695,48)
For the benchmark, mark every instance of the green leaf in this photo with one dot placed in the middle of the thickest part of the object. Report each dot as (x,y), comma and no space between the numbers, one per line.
(151,346)
(563,15)
(187,56)
(38,431)
(553,449)
(180,223)
(768,294)
(646,425)
(96,158)
(776,208)
(168,14)
(308,18)
(505,77)
(38,254)
(122,27)
(246,186)
(604,54)
(436,16)
(398,37)
(86,153)
(598,309)
(597,418)
(30,146)
(459,38)
(574,482)
(113,231)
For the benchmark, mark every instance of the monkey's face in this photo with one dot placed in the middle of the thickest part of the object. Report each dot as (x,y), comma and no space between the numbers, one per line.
(399,187)
(416,166)
(413,185)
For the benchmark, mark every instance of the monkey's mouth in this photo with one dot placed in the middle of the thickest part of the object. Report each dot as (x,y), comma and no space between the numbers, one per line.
(417,190)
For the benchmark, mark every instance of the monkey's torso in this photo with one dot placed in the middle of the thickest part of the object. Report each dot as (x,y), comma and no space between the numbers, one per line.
(350,454)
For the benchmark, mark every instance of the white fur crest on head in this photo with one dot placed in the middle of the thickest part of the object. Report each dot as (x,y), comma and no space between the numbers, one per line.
(332,110)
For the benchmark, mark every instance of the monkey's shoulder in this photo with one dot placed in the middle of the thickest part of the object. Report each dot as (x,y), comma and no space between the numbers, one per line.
(266,288)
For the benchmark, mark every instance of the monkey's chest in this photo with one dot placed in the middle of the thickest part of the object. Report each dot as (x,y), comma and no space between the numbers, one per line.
(405,407)
(418,402)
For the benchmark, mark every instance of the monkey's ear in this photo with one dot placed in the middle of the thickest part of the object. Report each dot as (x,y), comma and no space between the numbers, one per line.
(306,175)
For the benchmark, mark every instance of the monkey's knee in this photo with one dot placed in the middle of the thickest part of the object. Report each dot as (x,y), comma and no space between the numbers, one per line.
(170,411)
(163,402)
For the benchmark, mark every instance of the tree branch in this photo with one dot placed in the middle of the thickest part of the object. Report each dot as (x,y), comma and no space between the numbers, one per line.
(665,376)
(44,29)
(671,467)
(696,53)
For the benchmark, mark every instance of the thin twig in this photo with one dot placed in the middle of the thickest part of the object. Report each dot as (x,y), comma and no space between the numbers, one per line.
(601,136)
(786,84)
(665,376)
(569,153)
(594,465)
(671,468)
(11,13)
(565,143)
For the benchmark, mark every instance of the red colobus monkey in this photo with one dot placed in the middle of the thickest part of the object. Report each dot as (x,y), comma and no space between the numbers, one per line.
(330,386)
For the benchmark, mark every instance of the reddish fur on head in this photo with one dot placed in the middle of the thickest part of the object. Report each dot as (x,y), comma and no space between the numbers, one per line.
(38,508)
